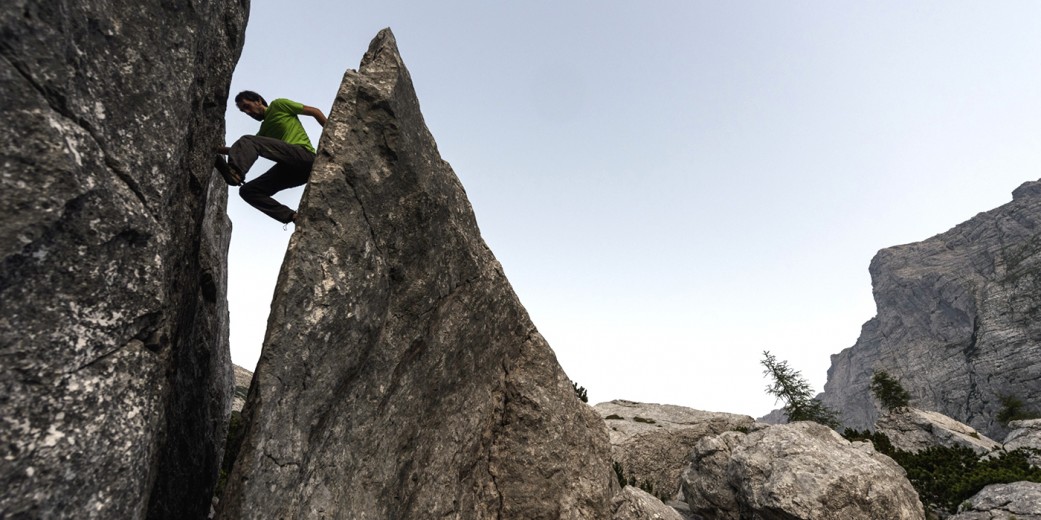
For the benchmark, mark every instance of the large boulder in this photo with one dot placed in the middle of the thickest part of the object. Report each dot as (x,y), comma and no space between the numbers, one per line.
(115,376)
(958,323)
(1018,500)
(914,430)
(801,470)
(400,376)
(1025,434)
(652,442)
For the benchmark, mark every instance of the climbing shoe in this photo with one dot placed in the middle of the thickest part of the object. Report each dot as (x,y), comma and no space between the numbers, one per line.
(232,177)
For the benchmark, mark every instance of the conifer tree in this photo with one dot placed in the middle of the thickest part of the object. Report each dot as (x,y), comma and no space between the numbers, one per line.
(889,392)
(790,387)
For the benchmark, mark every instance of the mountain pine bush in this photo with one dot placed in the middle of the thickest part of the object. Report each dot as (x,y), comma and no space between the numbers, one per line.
(945,477)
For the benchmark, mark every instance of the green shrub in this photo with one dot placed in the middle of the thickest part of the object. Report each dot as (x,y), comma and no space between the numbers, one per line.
(645,485)
(580,392)
(945,477)
(1013,409)
(878,439)
(790,387)
(614,417)
(889,392)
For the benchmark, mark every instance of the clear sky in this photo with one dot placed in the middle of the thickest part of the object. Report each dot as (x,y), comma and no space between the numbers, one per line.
(673,187)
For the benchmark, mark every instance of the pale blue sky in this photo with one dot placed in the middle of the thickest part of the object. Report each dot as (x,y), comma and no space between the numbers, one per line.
(674,186)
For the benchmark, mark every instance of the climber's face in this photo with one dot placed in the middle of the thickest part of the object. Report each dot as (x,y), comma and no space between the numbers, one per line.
(254,109)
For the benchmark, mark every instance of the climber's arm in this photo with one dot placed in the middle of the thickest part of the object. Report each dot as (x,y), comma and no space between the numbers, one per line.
(315,113)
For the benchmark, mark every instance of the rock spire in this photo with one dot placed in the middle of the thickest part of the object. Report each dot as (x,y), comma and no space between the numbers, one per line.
(400,375)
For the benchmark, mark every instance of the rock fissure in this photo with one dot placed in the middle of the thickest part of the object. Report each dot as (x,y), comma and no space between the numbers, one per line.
(280,464)
(102,357)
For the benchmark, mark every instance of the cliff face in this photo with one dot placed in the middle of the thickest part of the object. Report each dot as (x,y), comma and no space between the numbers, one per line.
(400,376)
(113,238)
(958,323)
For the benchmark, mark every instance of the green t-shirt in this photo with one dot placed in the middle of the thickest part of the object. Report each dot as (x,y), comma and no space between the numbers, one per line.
(280,122)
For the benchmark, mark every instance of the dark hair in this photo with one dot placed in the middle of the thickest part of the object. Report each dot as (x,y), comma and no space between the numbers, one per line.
(249,95)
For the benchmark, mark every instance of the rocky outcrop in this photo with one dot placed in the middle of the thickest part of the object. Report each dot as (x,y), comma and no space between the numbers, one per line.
(914,430)
(1026,435)
(958,323)
(635,504)
(400,376)
(800,470)
(243,378)
(652,442)
(114,366)
(1018,500)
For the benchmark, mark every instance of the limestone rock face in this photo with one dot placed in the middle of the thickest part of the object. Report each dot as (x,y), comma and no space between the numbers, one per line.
(958,323)
(1025,434)
(635,504)
(914,430)
(400,376)
(114,365)
(653,441)
(800,470)
(1018,500)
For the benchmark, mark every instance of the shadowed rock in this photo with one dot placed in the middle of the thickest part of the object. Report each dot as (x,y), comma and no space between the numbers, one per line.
(400,376)
(114,364)
(959,321)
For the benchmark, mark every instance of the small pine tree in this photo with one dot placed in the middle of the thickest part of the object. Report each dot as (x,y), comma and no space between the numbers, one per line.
(1013,409)
(889,392)
(580,391)
(790,387)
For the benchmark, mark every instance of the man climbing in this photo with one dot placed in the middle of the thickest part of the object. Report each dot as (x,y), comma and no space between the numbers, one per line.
(281,139)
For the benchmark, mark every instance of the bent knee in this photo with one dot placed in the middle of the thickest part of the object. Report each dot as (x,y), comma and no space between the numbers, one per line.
(248,191)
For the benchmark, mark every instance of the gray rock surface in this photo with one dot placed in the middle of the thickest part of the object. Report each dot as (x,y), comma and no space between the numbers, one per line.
(653,441)
(800,470)
(1018,500)
(1025,434)
(400,376)
(958,323)
(635,504)
(243,378)
(914,430)
(114,365)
